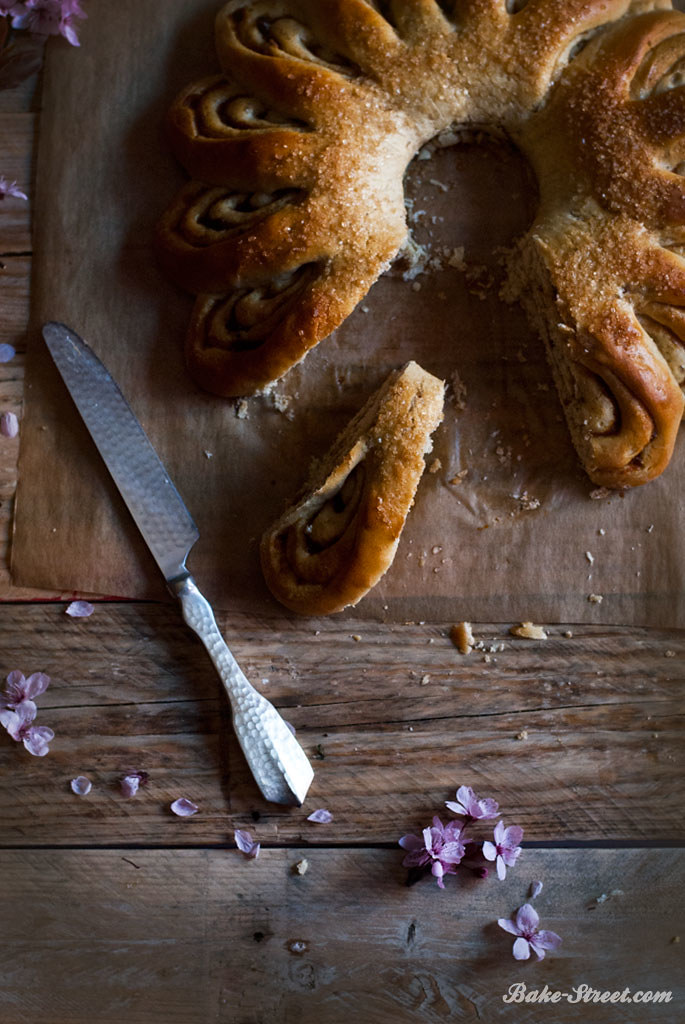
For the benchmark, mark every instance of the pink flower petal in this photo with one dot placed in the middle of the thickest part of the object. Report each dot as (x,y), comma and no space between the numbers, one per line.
(521,949)
(36,740)
(455,807)
(411,842)
(499,832)
(79,609)
(527,919)
(513,835)
(501,868)
(7,352)
(321,816)
(132,782)
(184,808)
(547,940)
(508,925)
(35,685)
(489,850)
(10,721)
(81,785)
(245,843)
(9,424)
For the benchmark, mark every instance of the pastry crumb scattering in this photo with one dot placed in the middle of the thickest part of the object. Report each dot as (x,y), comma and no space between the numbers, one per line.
(599,493)
(435,466)
(595,598)
(528,631)
(462,637)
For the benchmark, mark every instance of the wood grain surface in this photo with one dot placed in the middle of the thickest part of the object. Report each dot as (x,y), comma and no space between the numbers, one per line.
(114,909)
(201,936)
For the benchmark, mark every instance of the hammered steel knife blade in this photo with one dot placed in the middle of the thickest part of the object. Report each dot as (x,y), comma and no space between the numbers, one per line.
(276,759)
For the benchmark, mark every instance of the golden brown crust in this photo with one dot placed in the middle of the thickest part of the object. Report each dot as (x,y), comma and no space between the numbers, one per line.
(297,153)
(338,539)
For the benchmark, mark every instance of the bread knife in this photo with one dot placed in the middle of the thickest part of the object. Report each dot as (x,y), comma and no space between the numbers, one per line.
(277,761)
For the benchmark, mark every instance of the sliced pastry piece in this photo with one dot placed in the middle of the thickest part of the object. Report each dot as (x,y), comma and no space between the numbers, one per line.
(340,535)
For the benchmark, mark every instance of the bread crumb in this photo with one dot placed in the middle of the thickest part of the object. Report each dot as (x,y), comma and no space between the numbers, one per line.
(568,634)
(528,631)
(241,409)
(301,867)
(595,598)
(523,735)
(459,477)
(209,455)
(675,940)
(669,654)
(425,680)
(435,466)
(599,493)
(462,637)
(356,637)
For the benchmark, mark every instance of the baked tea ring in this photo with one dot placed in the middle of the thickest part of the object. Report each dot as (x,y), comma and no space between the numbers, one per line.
(298,151)
(341,533)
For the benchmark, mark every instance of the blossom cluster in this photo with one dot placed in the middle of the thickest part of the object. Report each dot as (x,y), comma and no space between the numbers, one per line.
(443,848)
(45,17)
(18,711)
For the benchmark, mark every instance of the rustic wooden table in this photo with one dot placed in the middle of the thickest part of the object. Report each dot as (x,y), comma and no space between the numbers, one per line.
(115,909)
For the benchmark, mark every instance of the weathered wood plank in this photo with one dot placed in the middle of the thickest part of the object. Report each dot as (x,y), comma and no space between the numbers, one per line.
(15,287)
(576,737)
(17,134)
(205,936)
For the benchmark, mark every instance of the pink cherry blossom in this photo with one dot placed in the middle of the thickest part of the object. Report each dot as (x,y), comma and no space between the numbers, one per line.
(48,17)
(20,689)
(505,850)
(18,725)
(245,843)
(9,188)
(440,845)
(184,808)
(320,816)
(472,806)
(525,926)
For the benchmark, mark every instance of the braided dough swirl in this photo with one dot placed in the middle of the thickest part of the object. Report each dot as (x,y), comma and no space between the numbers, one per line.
(297,153)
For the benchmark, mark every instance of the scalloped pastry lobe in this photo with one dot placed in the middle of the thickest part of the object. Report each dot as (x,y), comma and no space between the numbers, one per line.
(297,153)
(340,536)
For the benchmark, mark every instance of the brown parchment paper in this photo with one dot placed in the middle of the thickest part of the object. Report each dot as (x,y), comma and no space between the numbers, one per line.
(504,527)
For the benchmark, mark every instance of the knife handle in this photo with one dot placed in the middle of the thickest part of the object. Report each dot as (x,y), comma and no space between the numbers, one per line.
(276,759)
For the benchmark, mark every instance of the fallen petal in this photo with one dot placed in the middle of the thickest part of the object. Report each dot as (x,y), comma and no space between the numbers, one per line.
(245,843)
(80,609)
(7,352)
(132,782)
(184,808)
(321,816)
(81,785)
(535,889)
(9,424)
